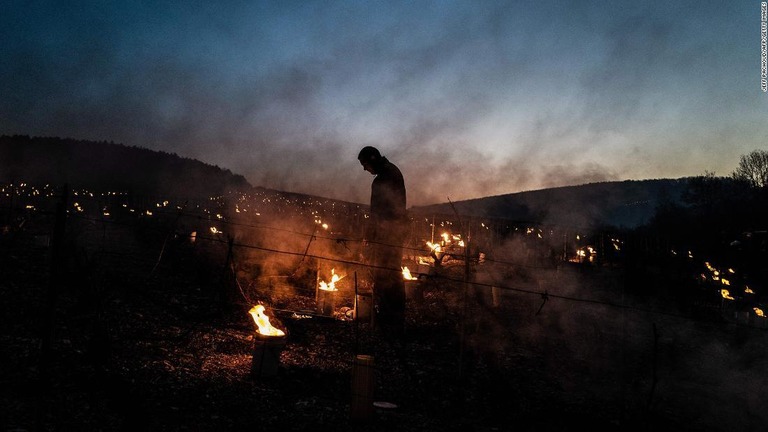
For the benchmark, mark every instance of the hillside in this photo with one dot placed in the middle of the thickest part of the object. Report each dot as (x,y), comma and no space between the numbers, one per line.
(109,166)
(625,204)
(103,165)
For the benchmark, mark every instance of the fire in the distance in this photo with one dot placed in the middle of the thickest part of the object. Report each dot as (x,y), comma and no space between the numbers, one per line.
(26,200)
(331,285)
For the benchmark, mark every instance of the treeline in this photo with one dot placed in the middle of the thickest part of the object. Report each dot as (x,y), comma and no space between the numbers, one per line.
(109,166)
(714,212)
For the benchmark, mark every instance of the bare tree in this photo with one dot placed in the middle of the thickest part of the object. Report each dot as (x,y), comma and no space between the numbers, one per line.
(753,169)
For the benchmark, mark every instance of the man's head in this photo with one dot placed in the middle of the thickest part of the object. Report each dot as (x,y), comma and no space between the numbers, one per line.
(369,158)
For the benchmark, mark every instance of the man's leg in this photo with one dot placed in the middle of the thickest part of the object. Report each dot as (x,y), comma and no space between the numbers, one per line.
(389,288)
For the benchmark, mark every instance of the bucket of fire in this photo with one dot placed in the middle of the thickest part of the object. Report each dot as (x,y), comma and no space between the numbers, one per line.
(413,290)
(268,344)
(266,355)
(326,302)
(325,294)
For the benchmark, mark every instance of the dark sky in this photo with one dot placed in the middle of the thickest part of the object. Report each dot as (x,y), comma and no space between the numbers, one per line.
(469,98)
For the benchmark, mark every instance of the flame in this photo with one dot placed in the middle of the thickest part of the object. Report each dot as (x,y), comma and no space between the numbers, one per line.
(758,311)
(726,294)
(262,321)
(330,286)
(407,274)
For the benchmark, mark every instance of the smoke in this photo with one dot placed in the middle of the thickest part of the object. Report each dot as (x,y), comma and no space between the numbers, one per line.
(580,329)
(469,102)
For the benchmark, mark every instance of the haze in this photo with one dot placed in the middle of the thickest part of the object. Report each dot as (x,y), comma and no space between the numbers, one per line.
(470,99)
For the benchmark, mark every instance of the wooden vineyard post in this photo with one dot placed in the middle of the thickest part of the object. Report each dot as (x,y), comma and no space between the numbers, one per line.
(55,275)
(363,383)
(228,275)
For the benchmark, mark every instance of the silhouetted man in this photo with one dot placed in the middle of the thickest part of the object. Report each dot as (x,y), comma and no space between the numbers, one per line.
(385,235)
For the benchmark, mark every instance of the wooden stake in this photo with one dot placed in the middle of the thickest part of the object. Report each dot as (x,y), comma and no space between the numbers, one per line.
(56,271)
(363,383)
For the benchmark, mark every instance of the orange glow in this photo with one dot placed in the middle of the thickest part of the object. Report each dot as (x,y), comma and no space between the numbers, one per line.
(262,321)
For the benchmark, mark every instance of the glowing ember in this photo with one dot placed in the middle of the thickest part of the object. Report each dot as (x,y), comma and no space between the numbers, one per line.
(262,321)
(758,312)
(407,274)
(726,295)
(330,286)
